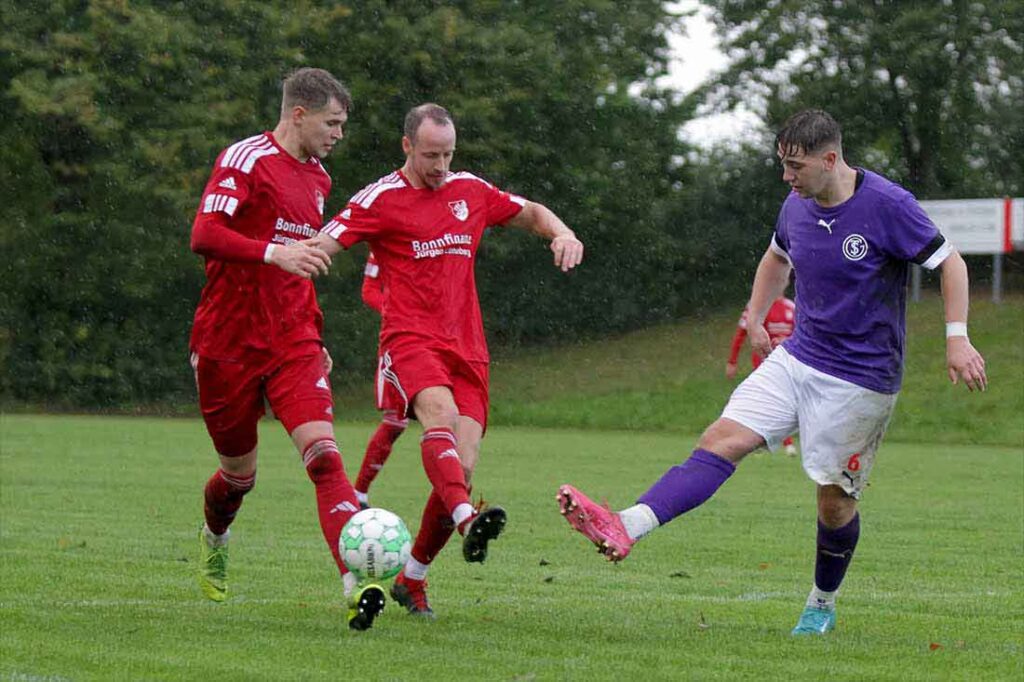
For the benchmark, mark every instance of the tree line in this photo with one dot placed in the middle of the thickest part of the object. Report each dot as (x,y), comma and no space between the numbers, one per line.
(113,113)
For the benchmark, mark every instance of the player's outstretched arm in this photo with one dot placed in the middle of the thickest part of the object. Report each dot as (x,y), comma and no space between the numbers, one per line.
(542,221)
(770,282)
(963,361)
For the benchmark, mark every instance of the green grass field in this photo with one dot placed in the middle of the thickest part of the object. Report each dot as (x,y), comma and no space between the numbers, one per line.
(97,533)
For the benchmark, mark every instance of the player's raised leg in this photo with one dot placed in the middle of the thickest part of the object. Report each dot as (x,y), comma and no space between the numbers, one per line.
(378,449)
(680,489)
(760,411)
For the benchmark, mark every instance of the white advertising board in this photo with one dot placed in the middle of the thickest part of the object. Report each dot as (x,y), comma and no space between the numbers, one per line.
(972,225)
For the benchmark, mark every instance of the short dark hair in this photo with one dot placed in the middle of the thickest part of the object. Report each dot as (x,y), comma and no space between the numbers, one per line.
(809,130)
(416,116)
(313,89)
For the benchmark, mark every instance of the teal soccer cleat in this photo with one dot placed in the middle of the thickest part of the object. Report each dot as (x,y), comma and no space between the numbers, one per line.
(815,621)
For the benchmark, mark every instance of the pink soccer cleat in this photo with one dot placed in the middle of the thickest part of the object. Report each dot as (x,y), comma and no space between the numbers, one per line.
(596,522)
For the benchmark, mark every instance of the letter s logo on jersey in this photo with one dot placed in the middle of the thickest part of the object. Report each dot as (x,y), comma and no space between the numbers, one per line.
(855,247)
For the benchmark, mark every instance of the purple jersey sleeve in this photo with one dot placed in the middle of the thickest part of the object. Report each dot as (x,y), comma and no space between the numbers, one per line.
(912,236)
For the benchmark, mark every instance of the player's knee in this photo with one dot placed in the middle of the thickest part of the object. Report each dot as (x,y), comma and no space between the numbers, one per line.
(321,456)
(729,440)
(835,507)
(242,464)
(434,413)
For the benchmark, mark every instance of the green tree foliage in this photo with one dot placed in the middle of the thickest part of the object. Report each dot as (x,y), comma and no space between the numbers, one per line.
(929,93)
(113,113)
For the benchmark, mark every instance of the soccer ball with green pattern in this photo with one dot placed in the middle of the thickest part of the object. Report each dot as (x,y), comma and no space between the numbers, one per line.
(375,544)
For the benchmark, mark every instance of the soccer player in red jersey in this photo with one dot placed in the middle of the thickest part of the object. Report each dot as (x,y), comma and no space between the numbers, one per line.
(257,330)
(424,224)
(392,425)
(779,324)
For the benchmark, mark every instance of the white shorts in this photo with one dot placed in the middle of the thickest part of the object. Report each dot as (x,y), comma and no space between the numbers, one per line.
(841,424)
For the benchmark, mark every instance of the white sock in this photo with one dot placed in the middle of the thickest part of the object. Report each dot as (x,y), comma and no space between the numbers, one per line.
(349,581)
(821,599)
(639,520)
(362,497)
(461,513)
(414,570)
(214,540)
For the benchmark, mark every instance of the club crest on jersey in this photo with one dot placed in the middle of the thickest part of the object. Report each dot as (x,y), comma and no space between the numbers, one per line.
(855,247)
(319,202)
(460,209)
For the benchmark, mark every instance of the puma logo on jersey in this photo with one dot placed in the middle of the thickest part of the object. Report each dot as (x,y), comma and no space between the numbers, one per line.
(828,225)
(228,183)
(345,507)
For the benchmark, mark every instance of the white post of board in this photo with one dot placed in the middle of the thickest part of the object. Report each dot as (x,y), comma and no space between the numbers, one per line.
(997,278)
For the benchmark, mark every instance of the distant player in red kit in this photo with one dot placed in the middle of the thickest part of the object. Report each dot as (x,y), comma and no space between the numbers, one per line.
(424,224)
(392,425)
(779,323)
(257,331)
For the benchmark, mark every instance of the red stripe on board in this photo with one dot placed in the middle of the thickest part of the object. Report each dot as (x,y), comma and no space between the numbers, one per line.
(1007,224)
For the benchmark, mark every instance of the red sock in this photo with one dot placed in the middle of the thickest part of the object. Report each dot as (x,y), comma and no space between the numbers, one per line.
(223,496)
(443,466)
(335,497)
(789,441)
(436,527)
(377,452)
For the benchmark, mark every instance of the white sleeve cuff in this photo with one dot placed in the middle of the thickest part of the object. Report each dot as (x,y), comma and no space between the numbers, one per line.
(268,252)
(941,254)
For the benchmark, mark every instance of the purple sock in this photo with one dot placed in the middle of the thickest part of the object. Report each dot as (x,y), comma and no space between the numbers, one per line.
(835,551)
(687,485)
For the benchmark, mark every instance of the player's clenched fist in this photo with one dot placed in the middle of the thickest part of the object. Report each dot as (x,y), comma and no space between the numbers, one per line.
(300,259)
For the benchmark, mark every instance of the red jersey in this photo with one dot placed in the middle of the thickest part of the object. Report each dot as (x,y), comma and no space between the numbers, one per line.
(779,323)
(258,194)
(426,242)
(373,287)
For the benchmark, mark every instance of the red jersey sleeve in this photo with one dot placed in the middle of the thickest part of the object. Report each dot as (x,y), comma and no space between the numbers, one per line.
(353,224)
(213,236)
(502,206)
(373,287)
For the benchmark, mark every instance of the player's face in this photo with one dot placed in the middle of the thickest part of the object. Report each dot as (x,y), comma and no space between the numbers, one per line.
(427,160)
(321,129)
(807,174)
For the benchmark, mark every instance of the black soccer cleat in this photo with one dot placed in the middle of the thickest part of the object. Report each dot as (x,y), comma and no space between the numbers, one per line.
(364,606)
(484,527)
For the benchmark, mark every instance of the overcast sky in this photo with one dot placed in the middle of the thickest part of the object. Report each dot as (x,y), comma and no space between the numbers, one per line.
(696,58)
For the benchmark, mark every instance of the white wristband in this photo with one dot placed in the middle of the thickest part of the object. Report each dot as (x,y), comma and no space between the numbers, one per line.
(956,329)
(268,252)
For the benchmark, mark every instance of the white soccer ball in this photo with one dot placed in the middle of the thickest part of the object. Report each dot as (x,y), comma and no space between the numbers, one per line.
(375,544)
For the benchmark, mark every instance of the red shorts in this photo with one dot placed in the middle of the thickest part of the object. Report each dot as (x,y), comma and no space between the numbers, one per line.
(232,393)
(405,370)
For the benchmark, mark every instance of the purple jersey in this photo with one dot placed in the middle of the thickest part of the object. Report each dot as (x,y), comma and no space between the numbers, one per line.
(851,265)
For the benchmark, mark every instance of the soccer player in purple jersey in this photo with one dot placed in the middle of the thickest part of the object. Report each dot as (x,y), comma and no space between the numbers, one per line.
(849,235)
